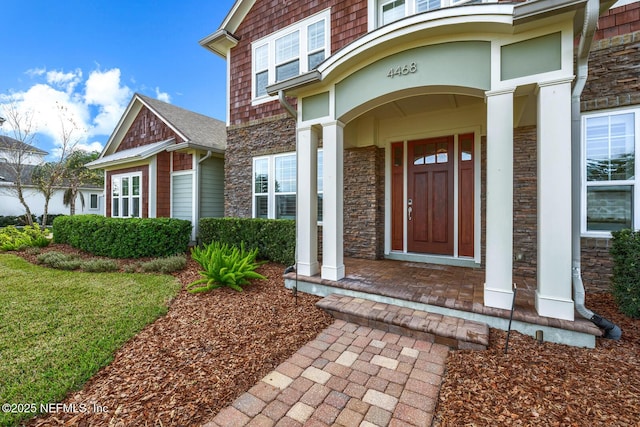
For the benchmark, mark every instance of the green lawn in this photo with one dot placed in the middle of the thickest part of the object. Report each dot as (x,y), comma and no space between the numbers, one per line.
(58,328)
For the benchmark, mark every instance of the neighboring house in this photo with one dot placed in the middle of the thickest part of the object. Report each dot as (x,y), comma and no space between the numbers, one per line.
(163,161)
(437,131)
(17,156)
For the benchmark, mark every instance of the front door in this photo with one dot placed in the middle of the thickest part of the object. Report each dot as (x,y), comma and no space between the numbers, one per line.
(430,196)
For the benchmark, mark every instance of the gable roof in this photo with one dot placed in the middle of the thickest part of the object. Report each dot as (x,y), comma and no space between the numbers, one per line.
(194,130)
(8,143)
(194,127)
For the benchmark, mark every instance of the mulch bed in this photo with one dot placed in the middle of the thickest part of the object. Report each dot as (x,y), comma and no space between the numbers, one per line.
(209,348)
(546,384)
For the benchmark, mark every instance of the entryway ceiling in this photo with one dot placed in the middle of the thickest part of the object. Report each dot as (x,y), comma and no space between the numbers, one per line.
(422,104)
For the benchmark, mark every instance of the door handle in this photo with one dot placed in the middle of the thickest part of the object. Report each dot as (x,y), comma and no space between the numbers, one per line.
(409,208)
(409,211)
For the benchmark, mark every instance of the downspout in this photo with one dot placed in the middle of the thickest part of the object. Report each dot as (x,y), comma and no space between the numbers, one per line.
(286,105)
(591,14)
(197,225)
(209,153)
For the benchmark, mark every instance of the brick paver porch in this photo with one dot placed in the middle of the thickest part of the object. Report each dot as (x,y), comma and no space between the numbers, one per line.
(449,290)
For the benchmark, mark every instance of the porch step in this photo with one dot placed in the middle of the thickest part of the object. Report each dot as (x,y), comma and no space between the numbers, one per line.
(447,330)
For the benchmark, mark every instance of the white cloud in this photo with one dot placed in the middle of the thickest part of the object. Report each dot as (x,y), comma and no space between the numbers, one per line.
(57,99)
(104,91)
(66,81)
(162,96)
(34,72)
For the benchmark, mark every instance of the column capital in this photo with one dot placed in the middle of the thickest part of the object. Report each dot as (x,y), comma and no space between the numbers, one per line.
(566,80)
(504,91)
(333,123)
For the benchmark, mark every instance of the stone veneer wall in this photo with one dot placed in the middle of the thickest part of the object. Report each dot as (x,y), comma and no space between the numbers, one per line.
(614,76)
(244,142)
(525,199)
(614,82)
(364,202)
(363,184)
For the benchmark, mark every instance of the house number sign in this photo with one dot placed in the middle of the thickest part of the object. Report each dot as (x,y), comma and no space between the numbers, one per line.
(403,70)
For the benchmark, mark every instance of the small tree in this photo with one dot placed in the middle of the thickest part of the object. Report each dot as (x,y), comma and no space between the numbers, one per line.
(49,176)
(19,152)
(76,174)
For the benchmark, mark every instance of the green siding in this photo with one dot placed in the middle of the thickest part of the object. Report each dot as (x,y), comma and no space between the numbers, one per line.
(182,187)
(463,64)
(315,106)
(212,188)
(528,57)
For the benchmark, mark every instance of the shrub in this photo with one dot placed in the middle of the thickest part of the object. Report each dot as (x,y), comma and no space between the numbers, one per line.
(123,237)
(275,239)
(59,260)
(8,220)
(99,265)
(164,265)
(14,239)
(625,250)
(224,265)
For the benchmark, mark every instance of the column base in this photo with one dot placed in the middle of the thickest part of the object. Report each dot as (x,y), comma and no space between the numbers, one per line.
(308,269)
(498,298)
(333,273)
(556,308)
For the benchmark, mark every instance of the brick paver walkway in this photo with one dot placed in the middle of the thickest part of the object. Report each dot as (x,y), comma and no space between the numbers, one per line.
(350,375)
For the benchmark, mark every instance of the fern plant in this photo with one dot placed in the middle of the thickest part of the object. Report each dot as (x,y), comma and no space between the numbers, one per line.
(224,265)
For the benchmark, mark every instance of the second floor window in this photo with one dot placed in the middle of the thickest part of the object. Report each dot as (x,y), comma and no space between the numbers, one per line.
(392,10)
(289,52)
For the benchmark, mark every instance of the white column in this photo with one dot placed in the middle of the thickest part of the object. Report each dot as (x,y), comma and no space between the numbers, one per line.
(333,194)
(307,202)
(498,290)
(553,296)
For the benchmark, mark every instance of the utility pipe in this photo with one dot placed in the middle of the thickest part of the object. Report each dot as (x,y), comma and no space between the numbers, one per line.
(591,15)
(286,105)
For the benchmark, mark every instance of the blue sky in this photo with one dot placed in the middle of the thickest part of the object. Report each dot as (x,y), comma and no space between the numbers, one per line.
(91,56)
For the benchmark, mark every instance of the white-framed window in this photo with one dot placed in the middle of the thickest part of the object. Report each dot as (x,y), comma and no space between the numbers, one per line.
(274,186)
(389,11)
(289,52)
(126,195)
(611,191)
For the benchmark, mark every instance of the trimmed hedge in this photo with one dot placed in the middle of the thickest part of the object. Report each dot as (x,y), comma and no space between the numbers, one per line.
(625,250)
(123,237)
(15,220)
(275,239)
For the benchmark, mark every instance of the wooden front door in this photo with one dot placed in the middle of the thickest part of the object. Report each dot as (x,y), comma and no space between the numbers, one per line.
(430,196)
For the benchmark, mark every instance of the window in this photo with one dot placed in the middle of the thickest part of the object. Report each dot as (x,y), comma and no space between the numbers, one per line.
(126,195)
(391,10)
(289,52)
(93,201)
(610,144)
(274,186)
